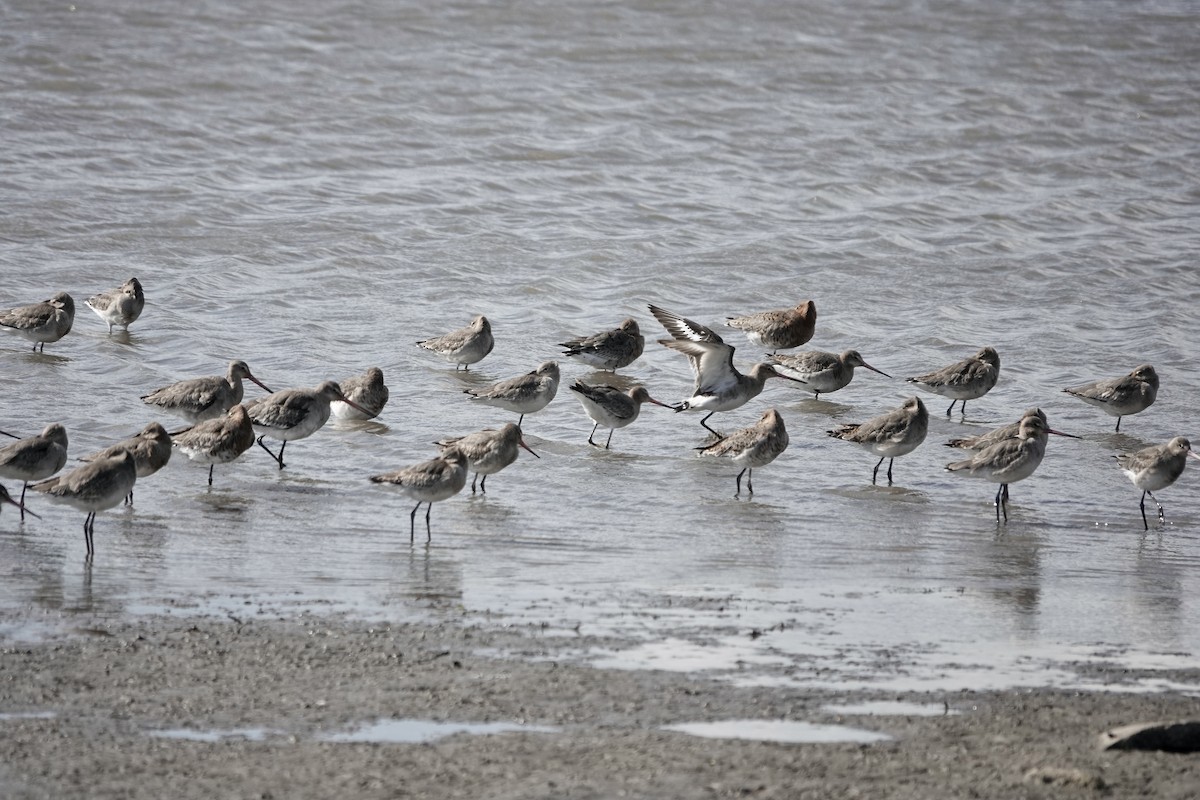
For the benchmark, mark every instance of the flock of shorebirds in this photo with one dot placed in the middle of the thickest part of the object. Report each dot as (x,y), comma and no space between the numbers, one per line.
(222,427)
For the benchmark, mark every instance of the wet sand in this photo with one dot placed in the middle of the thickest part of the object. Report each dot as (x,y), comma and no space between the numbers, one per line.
(117,711)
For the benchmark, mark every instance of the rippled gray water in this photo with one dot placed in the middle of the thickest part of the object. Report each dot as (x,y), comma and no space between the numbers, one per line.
(312,187)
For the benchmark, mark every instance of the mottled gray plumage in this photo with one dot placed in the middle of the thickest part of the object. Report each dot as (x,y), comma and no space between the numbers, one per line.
(47,321)
(488,451)
(464,346)
(219,440)
(965,380)
(524,394)
(368,390)
(198,399)
(753,446)
(1156,467)
(889,435)
(34,458)
(608,350)
(292,414)
(611,407)
(151,449)
(428,482)
(822,372)
(93,487)
(983,440)
(119,306)
(1120,397)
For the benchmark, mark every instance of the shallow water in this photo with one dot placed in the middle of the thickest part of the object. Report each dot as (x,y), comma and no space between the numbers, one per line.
(314,187)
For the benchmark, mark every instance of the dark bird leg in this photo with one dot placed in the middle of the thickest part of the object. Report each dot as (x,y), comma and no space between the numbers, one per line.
(875,473)
(129,498)
(1004,486)
(738,493)
(1001,503)
(704,422)
(608,441)
(890,462)
(482,486)
(951,408)
(89,527)
(593,433)
(1143,507)
(473,482)
(278,458)
(1119,430)
(210,469)
(1162,518)
(750,480)
(412,522)
(23,488)
(520,420)
(428,532)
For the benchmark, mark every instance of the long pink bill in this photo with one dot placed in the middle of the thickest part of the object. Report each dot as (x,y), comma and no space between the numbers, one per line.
(1060,433)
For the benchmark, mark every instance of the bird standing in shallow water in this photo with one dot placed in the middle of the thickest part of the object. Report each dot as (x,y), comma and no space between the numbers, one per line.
(610,407)
(198,399)
(1010,460)
(217,441)
(34,458)
(779,329)
(465,346)
(1156,467)
(368,390)
(292,414)
(524,394)
(889,435)
(119,306)
(151,449)
(428,482)
(822,372)
(719,386)
(965,380)
(94,487)
(608,350)
(755,446)
(1120,397)
(488,451)
(47,321)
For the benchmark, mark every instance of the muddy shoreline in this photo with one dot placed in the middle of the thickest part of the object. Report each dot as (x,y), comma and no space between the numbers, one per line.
(119,710)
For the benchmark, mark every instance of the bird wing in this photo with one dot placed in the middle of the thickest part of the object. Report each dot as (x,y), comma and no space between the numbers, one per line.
(684,328)
(712,363)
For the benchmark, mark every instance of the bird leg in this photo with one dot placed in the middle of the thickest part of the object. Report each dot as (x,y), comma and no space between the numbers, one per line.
(593,433)
(482,486)
(428,532)
(89,526)
(738,493)
(1118,431)
(875,472)
(473,482)
(23,488)
(608,441)
(278,458)
(412,522)
(1002,502)
(1162,518)
(704,422)
(890,462)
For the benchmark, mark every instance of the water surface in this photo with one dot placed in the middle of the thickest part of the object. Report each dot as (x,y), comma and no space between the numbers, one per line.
(313,187)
